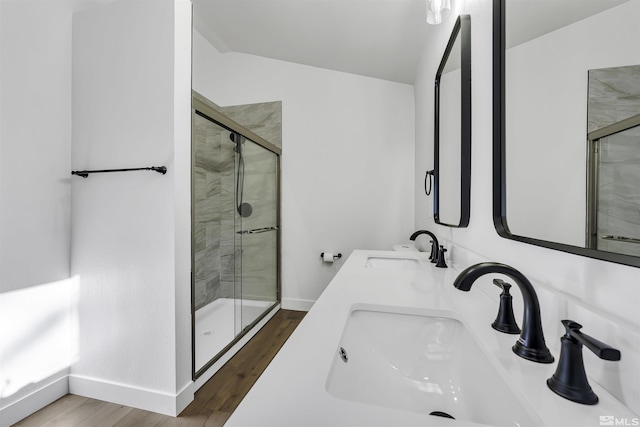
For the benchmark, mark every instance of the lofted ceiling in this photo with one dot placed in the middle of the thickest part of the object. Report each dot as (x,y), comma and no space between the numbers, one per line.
(532,19)
(376,38)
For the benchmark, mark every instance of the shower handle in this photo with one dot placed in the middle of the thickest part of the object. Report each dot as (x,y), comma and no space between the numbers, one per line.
(257,230)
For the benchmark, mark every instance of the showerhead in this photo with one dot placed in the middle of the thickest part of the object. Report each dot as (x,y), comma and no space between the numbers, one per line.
(237,139)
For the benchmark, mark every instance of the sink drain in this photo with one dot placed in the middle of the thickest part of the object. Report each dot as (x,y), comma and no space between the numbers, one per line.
(441,414)
(343,354)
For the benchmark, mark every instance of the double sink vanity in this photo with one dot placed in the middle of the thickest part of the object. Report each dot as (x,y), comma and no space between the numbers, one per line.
(392,342)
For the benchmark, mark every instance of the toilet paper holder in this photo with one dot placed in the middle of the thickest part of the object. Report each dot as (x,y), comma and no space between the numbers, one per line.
(336,256)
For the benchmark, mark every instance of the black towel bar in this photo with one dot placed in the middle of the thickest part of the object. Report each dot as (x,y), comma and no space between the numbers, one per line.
(85,173)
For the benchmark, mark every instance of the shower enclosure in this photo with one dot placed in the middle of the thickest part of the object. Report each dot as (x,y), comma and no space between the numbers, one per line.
(235,232)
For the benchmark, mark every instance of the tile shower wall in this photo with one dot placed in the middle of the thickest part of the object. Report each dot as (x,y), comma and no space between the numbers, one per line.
(207,199)
(259,251)
(214,197)
(614,95)
(263,119)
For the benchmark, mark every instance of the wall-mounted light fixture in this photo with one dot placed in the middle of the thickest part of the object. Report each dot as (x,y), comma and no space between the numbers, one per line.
(437,10)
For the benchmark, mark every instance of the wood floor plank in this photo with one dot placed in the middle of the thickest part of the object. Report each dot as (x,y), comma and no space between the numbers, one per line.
(107,416)
(139,417)
(52,410)
(75,416)
(213,404)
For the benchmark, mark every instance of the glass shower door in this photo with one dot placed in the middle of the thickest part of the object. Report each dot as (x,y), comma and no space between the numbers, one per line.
(258,223)
(213,244)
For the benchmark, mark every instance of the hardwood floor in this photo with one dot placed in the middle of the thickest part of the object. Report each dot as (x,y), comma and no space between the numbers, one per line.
(213,404)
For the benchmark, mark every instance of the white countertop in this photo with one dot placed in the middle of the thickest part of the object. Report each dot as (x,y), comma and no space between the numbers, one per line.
(291,392)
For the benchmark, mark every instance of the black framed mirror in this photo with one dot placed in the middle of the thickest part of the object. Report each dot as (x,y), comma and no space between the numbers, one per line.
(555,65)
(452,130)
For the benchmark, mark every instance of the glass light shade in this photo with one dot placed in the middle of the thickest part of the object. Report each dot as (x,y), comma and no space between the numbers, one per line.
(437,10)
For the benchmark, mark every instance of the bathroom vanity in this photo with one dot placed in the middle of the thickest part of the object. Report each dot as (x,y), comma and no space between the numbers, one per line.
(391,341)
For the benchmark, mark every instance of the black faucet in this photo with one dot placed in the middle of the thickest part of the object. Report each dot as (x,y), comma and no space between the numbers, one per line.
(530,345)
(570,379)
(434,244)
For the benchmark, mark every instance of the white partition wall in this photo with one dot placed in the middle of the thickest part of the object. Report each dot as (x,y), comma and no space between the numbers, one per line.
(130,231)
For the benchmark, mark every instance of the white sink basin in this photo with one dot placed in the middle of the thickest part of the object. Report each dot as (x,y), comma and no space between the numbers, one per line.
(422,362)
(395,263)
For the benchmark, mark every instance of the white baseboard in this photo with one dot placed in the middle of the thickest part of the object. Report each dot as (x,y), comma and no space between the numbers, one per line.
(150,400)
(297,304)
(184,397)
(124,394)
(33,402)
(137,397)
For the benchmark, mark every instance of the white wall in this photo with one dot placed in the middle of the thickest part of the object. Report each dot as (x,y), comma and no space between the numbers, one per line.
(602,296)
(184,387)
(36,295)
(35,137)
(130,231)
(346,160)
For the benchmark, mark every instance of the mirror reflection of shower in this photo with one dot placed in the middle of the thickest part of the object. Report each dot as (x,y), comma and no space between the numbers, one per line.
(614,197)
(613,161)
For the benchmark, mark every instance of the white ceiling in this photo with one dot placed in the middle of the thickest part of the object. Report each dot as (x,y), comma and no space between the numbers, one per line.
(526,20)
(375,38)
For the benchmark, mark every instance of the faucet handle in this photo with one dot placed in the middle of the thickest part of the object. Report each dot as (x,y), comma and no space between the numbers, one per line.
(570,379)
(505,320)
(434,252)
(600,349)
(502,285)
(441,261)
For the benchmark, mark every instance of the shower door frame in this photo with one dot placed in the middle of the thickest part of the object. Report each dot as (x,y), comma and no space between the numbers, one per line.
(203,107)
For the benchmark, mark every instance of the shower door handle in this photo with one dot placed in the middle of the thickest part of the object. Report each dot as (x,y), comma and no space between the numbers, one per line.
(257,230)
